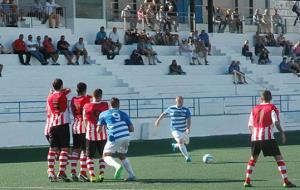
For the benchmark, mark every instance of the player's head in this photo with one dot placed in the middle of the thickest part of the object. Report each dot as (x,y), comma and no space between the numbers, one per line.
(179,101)
(81,88)
(57,84)
(266,96)
(115,102)
(97,94)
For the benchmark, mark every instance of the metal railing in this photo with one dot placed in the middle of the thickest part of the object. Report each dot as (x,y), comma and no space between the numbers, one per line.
(151,107)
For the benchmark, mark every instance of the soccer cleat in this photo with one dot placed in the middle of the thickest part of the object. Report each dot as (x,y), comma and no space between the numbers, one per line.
(247,184)
(52,178)
(100,178)
(188,159)
(93,179)
(118,172)
(173,147)
(289,185)
(63,177)
(131,178)
(74,177)
(83,178)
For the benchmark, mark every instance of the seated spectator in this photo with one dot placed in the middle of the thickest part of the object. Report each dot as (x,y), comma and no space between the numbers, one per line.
(277,22)
(246,51)
(295,67)
(114,36)
(296,49)
(4,50)
(204,37)
(19,47)
(50,51)
(264,57)
(201,51)
(108,49)
(135,59)
(101,36)
(175,69)
(79,50)
(284,66)
(52,15)
(40,46)
(1,68)
(270,39)
(158,38)
(186,50)
(258,48)
(151,50)
(143,50)
(63,48)
(238,76)
(32,49)
(170,39)
(287,49)
(280,40)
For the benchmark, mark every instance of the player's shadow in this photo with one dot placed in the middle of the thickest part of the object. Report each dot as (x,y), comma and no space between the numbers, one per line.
(192,180)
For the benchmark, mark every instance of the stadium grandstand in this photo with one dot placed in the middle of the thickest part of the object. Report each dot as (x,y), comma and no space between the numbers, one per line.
(219,55)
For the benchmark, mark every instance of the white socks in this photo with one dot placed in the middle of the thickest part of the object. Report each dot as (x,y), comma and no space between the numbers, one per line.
(110,161)
(128,167)
(183,150)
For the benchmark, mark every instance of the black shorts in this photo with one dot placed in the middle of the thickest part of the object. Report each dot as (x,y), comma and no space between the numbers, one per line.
(59,136)
(268,147)
(79,141)
(94,146)
(47,137)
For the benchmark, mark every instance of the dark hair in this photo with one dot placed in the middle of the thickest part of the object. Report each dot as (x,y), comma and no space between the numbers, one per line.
(57,84)
(174,61)
(266,95)
(97,93)
(115,102)
(81,87)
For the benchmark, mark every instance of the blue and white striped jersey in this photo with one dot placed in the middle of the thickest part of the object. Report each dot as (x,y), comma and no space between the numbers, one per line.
(117,123)
(178,117)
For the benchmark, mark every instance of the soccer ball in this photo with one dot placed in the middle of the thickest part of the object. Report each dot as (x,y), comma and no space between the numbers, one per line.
(208,159)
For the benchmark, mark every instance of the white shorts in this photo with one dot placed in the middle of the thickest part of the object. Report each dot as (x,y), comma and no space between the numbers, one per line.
(181,136)
(117,147)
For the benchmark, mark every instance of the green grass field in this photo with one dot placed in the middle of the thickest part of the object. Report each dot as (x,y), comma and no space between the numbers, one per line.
(158,168)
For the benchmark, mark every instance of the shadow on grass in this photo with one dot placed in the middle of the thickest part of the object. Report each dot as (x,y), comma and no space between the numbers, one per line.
(191,181)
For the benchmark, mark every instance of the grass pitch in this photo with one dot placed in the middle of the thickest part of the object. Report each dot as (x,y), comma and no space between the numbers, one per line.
(157,167)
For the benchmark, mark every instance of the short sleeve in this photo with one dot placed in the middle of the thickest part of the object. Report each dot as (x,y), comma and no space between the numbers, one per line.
(126,119)
(188,113)
(167,111)
(250,122)
(274,116)
(101,120)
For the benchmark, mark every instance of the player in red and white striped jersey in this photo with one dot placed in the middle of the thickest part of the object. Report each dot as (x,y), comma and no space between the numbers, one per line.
(59,134)
(96,138)
(263,119)
(78,129)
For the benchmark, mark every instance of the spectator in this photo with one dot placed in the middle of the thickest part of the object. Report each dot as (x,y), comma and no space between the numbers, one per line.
(151,50)
(127,17)
(150,17)
(287,49)
(170,39)
(246,51)
(172,16)
(238,76)
(63,48)
(114,36)
(277,22)
(228,20)
(175,69)
(264,57)
(9,13)
(108,49)
(296,49)
(295,67)
(19,47)
(135,59)
(4,50)
(79,50)
(141,16)
(53,17)
(40,46)
(284,66)
(270,39)
(257,19)
(143,50)
(236,22)
(161,18)
(204,37)
(50,51)
(258,48)
(32,49)
(296,10)
(280,40)
(158,38)
(1,68)
(201,51)
(266,22)
(37,9)
(101,36)
(220,20)
(128,37)
(186,50)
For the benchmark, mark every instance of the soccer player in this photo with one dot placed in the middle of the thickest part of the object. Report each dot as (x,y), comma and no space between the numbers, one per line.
(180,125)
(95,139)
(58,130)
(78,131)
(262,120)
(118,126)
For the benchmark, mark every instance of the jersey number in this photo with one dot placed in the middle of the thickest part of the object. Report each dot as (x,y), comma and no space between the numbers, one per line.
(116,116)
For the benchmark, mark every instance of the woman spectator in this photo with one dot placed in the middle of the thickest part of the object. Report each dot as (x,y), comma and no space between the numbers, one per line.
(141,16)
(175,69)
(50,51)
(264,57)
(246,51)
(238,76)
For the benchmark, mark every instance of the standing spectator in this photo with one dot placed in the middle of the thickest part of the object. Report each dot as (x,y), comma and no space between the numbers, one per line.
(236,22)
(186,50)
(296,10)
(277,22)
(172,14)
(204,37)
(238,76)
(79,50)
(219,19)
(141,16)
(101,36)
(246,51)
(228,20)
(175,69)
(127,17)
(161,18)
(114,36)
(1,68)
(150,17)
(32,49)
(201,51)
(63,48)
(50,50)
(266,22)
(256,20)
(37,9)
(19,47)
(50,7)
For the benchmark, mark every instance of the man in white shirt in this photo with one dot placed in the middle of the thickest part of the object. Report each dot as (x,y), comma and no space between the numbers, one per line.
(32,49)
(114,36)
(50,8)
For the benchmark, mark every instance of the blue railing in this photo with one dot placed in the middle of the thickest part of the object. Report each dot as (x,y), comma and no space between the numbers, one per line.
(152,107)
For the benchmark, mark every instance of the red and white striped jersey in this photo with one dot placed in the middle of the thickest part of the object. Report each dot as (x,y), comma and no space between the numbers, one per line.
(47,126)
(262,119)
(57,103)
(91,112)
(77,104)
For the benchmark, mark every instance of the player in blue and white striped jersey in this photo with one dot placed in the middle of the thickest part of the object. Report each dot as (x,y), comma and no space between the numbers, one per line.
(180,125)
(118,126)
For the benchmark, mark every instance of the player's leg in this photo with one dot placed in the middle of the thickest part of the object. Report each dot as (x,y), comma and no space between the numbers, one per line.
(74,157)
(180,143)
(102,164)
(255,151)
(122,150)
(109,149)
(52,138)
(283,171)
(64,142)
(83,159)
(91,151)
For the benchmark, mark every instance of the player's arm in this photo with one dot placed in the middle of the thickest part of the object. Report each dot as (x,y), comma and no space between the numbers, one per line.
(101,123)
(250,123)
(276,123)
(162,115)
(84,123)
(188,124)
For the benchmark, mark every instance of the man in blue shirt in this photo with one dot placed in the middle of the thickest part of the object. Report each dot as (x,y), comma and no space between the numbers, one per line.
(118,126)
(101,36)
(204,37)
(180,125)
